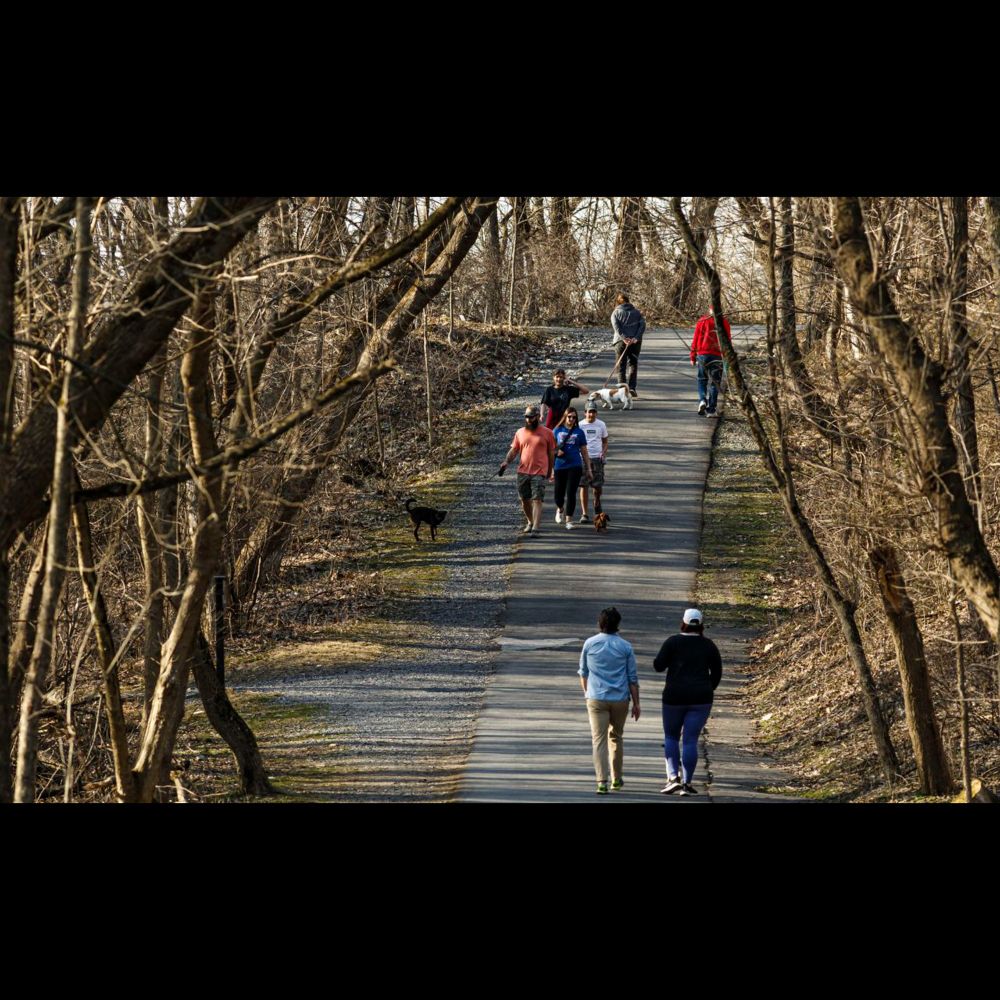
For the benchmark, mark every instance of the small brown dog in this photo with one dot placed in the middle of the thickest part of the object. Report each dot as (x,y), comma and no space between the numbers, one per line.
(601,522)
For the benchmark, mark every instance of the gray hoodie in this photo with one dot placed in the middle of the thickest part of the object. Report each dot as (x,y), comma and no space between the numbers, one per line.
(627,321)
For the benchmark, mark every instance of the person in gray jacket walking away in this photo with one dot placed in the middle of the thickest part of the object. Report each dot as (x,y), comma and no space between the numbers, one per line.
(629,326)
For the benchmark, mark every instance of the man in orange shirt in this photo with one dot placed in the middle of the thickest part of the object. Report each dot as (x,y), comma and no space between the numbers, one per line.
(537,448)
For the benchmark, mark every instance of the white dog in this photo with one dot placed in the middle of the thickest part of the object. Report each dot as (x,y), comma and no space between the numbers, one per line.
(608,397)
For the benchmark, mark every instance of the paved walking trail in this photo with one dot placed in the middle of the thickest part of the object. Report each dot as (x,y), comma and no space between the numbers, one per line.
(532,741)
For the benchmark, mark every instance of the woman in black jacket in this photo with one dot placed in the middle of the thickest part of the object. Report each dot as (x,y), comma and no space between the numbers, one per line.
(694,669)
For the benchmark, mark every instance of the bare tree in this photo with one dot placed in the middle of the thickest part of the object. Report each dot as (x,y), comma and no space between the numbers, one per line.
(779,471)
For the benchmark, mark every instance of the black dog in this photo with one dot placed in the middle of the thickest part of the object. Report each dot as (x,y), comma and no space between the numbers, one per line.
(424,515)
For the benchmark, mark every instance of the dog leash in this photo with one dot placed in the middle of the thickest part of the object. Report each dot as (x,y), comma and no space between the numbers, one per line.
(618,362)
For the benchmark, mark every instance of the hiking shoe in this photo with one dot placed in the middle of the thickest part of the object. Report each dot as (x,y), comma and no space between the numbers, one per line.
(688,789)
(559,516)
(702,407)
(584,519)
(617,785)
(672,785)
(569,524)
(602,788)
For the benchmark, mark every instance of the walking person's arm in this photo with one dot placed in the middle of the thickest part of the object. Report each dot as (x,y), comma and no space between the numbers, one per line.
(509,457)
(662,660)
(715,666)
(584,670)
(696,341)
(633,682)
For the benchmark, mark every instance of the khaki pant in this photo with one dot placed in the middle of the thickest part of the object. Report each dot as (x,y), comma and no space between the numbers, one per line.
(605,716)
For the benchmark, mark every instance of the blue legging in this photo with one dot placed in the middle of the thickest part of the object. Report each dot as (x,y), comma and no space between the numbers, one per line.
(692,719)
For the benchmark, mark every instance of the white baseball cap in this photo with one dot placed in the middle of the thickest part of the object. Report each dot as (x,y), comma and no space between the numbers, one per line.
(692,616)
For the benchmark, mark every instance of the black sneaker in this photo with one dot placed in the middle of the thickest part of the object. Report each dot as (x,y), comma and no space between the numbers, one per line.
(672,785)
(688,789)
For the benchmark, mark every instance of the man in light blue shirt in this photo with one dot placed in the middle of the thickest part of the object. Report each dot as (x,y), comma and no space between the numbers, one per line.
(609,677)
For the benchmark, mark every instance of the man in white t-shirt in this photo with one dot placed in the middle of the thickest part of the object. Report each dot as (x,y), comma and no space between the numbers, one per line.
(597,448)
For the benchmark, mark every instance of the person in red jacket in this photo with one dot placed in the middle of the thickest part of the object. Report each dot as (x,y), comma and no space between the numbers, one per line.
(707,355)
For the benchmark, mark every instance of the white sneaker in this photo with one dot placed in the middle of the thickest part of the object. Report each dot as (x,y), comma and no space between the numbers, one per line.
(526,529)
(570,524)
(559,516)
(702,407)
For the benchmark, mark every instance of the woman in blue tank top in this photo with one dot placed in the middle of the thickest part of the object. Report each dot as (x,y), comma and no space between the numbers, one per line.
(571,461)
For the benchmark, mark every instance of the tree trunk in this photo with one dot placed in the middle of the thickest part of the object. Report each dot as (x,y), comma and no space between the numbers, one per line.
(62,484)
(351,272)
(963,348)
(167,707)
(494,271)
(106,651)
(782,479)
(683,286)
(628,247)
(151,531)
(653,241)
(9,208)
(928,750)
(259,559)
(427,360)
(919,379)
(228,723)
(405,211)
(378,211)
(27,622)
(761,227)
(119,348)
(993,230)
(963,703)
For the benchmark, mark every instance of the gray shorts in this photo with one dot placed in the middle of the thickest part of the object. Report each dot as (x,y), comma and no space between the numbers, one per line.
(531,487)
(597,471)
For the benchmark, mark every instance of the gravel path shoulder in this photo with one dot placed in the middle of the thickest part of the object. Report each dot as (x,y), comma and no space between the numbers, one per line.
(401,728)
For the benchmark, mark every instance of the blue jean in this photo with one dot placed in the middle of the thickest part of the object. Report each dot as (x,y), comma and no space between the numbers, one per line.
(709,371)
(692,719)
